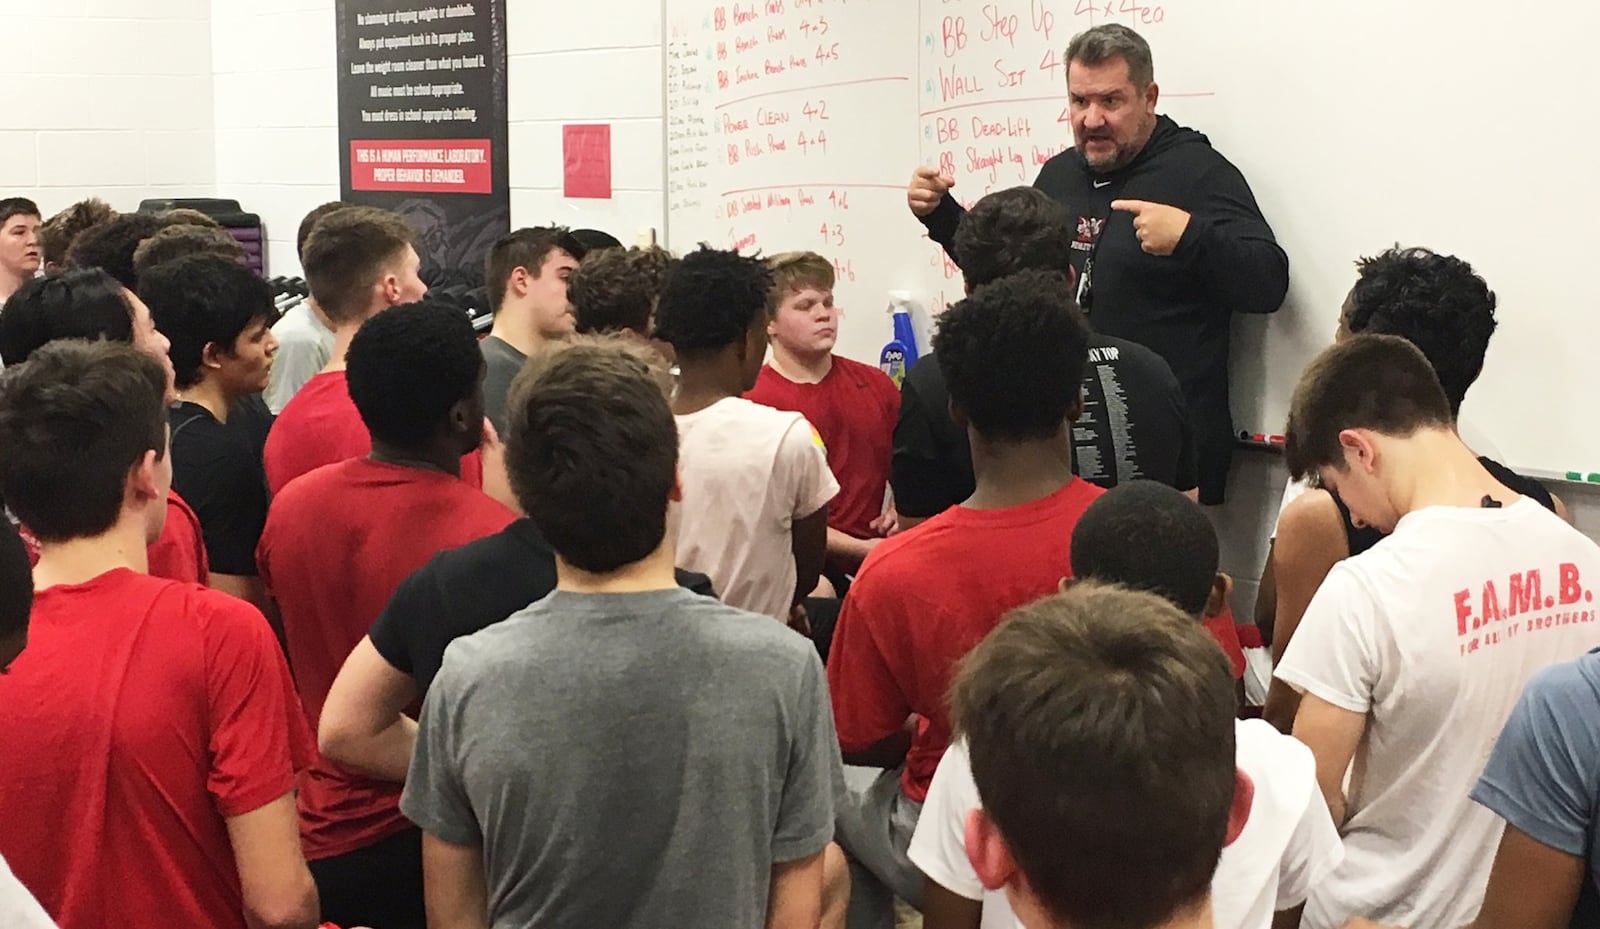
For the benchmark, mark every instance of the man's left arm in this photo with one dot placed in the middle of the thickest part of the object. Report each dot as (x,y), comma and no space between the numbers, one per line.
(1231,246)
(1332,733)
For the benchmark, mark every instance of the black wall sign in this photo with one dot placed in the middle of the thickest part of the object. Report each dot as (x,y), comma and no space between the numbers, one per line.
(422,121)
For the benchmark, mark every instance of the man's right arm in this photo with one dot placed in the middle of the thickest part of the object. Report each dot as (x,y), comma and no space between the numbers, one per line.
(808,542)
(928,197)
(258,742)
(435,798)
(812,484)
(1531,886)
(274,881)
(806,815)
(953,895)
(1310,542)
(363,725)
(846,551)
(795,898)
(1541,779)
(455,888)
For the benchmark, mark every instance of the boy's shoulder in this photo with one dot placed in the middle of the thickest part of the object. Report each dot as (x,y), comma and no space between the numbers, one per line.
(752,420)
(862,373)
(702,624)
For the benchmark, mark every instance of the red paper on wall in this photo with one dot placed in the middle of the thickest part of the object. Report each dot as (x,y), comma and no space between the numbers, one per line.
(586,152)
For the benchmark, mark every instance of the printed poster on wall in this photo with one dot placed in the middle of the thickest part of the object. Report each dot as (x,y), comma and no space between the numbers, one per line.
(423,125)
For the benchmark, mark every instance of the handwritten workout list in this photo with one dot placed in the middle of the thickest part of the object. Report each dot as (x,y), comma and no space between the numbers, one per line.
(796,124)
(780,136)
(993,89)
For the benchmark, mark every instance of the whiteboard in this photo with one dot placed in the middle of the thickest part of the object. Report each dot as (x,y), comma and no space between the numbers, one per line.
(1454,124)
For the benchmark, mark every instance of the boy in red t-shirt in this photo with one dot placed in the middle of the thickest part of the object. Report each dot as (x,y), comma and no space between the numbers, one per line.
(852,405)
(88,303)
(1013,355)
(151,731)
(359,262)
(337,544)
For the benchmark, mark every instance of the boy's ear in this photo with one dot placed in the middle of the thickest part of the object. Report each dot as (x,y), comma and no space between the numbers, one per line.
(461,420)
(957,414)
(676,494)
(211,355)
(517,284)
(141,483)
(986,849)
(1221,593)
(1075,411)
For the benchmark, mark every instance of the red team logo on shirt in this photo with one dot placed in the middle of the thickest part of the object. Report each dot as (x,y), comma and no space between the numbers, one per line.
(1089,228)
(1524,595)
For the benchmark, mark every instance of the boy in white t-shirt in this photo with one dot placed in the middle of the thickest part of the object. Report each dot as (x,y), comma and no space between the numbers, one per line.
(756,483)
(1100,726)
(1149,537)
(1412,654)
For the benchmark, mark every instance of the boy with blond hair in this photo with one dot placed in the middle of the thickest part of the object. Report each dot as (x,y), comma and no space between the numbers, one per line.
(852,405)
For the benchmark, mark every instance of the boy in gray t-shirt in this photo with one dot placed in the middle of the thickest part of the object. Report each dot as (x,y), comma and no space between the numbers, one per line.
(623,753)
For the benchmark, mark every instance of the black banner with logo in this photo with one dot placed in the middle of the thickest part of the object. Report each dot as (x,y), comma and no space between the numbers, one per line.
(422,121)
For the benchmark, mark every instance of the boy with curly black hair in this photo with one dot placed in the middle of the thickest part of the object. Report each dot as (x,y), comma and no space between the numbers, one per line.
(756,482)
(1013,354)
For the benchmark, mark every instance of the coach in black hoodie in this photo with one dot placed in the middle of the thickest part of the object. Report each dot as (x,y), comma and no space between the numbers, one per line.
(1170,242)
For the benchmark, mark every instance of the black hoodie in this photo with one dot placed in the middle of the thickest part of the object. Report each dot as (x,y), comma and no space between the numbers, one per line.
(1179,305)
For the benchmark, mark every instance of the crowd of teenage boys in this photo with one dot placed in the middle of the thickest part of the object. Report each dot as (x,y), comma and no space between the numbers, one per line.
(649,610)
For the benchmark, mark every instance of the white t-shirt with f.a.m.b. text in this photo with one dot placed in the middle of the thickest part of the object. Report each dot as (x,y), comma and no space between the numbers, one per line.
(1432,634)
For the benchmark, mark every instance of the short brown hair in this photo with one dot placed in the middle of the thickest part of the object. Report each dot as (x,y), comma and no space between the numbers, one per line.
(525,248)
(1378,382)
(793,271)
(17,206)
(348,251)
(592,449)
(74,419)
(185,216)
(1110,41)
(1100,724)
(59,231)
(110,245)
(310,222)
(179,240)
(615,289)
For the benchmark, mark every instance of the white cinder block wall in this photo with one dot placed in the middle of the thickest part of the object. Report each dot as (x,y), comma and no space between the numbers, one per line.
(106,97)
(236,98)
(276,113)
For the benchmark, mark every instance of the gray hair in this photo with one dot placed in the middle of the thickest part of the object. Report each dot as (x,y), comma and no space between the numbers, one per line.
(1113,40)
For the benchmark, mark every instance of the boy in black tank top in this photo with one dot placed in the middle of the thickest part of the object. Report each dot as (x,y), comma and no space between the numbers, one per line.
(1439,304)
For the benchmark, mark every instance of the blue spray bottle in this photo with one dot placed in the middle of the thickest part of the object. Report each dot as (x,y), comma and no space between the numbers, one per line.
(900,353)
